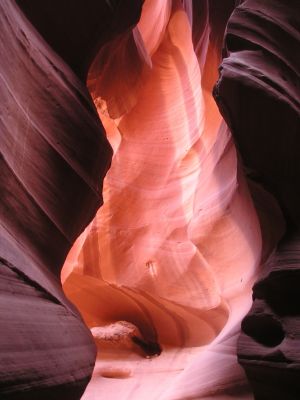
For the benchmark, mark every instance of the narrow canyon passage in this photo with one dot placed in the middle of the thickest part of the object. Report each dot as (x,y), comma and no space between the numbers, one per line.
(176,246)
(149,213)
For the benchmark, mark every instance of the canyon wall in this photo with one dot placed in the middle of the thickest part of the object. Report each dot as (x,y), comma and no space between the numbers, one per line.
(54,155)
(258,95)
(163,204)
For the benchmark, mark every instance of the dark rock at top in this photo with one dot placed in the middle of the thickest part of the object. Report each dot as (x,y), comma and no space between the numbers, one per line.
(258,94)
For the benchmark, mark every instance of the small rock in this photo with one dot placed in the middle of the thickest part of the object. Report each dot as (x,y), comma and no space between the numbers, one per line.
(118,334)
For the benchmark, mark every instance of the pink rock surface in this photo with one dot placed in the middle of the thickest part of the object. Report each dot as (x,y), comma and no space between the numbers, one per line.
(177,245)
(187,222)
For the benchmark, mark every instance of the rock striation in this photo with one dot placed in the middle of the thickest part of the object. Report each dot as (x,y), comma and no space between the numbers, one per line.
(269,344)
(177,245)
(153,237)
(195,201)
(258,94)
(54,155)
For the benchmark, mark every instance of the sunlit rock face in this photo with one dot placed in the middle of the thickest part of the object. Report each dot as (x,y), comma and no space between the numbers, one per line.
(258,94)
(163,273)
(54,155)
(177,245)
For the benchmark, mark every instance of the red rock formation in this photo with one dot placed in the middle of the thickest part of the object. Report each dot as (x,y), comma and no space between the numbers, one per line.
(176,246)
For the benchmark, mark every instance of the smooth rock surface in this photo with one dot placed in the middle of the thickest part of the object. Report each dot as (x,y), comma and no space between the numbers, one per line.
(258,94)
(179,241)
(177,245)
(54,155)
(269,345)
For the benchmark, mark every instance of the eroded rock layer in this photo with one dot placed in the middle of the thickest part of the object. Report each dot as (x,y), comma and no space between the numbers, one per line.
(172,186)
(177,245)
(54,156)
(258,94)
(269,345)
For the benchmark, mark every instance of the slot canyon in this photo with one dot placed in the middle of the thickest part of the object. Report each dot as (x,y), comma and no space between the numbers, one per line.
(150,207)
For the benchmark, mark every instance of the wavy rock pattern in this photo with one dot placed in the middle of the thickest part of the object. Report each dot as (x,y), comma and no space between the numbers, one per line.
(54,156)
(269,346)
(176,246)
(258,95)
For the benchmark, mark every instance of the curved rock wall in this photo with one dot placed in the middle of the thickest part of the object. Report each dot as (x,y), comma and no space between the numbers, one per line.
(176,247)
(258,95)
(172,187)
(54,156)
(178,244)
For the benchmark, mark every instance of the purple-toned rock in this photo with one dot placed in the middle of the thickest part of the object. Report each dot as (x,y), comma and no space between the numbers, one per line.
(54,156)
(269,347)
(258,94)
